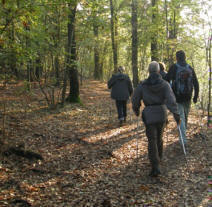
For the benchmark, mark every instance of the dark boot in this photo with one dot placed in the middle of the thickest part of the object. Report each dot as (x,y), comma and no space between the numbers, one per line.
(120,123)
(160,153)
(155,172)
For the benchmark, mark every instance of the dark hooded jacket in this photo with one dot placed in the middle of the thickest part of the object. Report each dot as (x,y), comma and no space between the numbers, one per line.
(157,96)
(163,74)
(171,76)
(121,87)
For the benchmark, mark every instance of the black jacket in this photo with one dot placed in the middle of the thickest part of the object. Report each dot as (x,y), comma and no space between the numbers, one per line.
(121,86)
(163,74)
(156,94)
(171,76)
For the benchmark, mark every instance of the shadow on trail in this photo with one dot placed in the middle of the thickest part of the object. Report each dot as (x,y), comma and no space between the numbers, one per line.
(89,153)
(125,183)
(80,171)
(121,179)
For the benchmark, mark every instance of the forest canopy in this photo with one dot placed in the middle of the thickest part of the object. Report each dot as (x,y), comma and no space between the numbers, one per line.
(63,40)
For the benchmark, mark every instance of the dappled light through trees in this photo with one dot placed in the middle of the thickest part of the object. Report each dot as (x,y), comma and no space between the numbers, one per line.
(69,70)
(88,160)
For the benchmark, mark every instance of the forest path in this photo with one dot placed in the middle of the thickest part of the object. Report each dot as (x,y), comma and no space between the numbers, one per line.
(90,161)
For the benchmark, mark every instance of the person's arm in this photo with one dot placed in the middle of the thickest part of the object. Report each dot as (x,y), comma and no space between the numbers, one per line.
(170,74)
(170,100)
(111,82)
(130,86)
(136,100)
(196,86)
(171,103)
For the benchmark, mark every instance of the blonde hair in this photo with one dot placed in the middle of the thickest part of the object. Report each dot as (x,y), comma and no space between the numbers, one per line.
(162,66)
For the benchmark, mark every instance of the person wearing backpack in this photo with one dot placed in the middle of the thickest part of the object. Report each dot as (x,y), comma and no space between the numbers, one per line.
(157,96)
(122,89)
(184,80)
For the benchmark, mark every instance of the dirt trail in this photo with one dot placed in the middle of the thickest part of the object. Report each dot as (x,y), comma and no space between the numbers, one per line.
(90,161)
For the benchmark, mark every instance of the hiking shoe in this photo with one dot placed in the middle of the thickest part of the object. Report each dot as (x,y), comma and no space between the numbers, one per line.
(154,173)
(120,123)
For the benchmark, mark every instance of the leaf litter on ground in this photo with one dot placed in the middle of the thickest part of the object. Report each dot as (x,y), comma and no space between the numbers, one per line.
(88,160)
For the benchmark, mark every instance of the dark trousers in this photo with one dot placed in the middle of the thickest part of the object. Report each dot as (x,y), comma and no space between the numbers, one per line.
(154,133)
(121,109)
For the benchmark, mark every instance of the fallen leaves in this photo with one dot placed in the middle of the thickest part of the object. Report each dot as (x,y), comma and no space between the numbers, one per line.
(90,161)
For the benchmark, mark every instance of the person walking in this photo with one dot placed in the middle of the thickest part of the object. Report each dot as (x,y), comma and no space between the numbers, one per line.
(121,86)
(183,80)
(157,96)
(162,69)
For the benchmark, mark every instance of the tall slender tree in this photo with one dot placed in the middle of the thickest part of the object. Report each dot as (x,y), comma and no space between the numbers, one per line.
(154,44)
(114,35)
(134,22)
(97,72)
(210,77)
(56,44)
(71,65)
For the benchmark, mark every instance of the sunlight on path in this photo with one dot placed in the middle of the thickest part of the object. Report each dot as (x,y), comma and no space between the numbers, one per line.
(88,159)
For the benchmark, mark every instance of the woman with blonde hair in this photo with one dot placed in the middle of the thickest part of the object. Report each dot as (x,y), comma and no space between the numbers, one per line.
(162,69)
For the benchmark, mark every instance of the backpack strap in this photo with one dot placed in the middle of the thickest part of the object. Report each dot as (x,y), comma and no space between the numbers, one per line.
(187,66)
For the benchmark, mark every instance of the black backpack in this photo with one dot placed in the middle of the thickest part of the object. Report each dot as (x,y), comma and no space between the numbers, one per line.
(183,84)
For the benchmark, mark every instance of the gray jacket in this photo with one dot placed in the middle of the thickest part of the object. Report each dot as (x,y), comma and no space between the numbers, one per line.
(121,87)
(157,96)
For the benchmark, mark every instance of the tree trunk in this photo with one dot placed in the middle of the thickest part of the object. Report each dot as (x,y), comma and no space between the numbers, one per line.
(209,83)
(116,32)
(72,57)
(38,68)
(69,57)
(113,39)
(102,60)
(134,23)
(63,95)
(74,86)
(173,29)
(154,44)
(13,59)
(29,62)
(97,74)
(167,36)
(57,69)
(57,43)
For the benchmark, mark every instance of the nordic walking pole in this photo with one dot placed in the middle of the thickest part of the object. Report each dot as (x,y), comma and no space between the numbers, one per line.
(181,138)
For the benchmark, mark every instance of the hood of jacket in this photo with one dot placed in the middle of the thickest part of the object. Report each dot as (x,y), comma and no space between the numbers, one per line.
(119,76)
(154,82)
